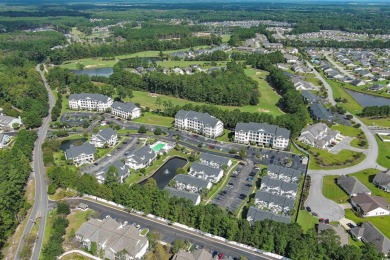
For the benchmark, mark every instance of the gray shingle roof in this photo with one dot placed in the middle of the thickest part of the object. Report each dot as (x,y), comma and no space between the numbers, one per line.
(75,151)
(309,96)
(182,194)
(210,158)
(105,134)
(284,186)
(382,179)
(292,173)
(259,215)
(369,203)
(351,185)
(127,107)
(119,165)
(319,111)
(205,118)
(193,181)
(143,155)
(97,97)
(209,171)
(372,235)
(275,199)
(263,127)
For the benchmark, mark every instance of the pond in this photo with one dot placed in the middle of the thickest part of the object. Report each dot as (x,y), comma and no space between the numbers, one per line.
(67,143)
(166,172)
(368,100)
(105,72)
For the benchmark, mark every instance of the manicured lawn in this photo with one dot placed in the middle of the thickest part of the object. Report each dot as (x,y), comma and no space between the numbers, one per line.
(382,223)
(225,38)
(49,227)
(225,136)
(384,152)
(321,159)
(352,132)
(76,219)
(376,121)
(75,256)
(366,177)
(153,119)
(310,77)
(333,191)
(306,220)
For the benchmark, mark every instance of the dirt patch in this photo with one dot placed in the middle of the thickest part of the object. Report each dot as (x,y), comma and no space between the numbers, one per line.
(261,110)
(153,95)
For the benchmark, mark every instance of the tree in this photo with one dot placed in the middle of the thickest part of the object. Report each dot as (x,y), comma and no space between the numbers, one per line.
(63,208)
(80,66)
(176,245)
(15,126)
(112,176)
(158,131)
(142,129)
(158,103)
(93,248)
(242,152)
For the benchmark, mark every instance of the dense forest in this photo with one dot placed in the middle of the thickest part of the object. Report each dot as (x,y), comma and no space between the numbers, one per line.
(285,239)
(375,111)
(14,172)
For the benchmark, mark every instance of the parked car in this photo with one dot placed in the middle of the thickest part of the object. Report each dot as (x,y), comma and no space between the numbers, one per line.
(326,221)
(308,209)
(350,225)
(220,256)
(314,214)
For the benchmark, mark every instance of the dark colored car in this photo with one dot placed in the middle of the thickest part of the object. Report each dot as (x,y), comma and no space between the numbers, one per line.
(326,221)
(308,209)
(350,225)
(314,214)
(321,220)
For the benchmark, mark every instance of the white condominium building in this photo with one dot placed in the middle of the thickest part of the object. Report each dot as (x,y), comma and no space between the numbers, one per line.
(125,110)
(86,101)
(262,134)
(202,123)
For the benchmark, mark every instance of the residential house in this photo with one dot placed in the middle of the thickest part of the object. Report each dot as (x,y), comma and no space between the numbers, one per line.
(370,206)
(262,134)
(112,238)
(123,172)
(319,112)
(319,135)
(141,158)
(125,110)
(4,140)
(309,97)
(282,66)
(376,88)
(275,46)
(365,74)
(275,203)
(352,186)
(368,233)
(82,154)
(190,183)
(178,71)
(338,229)
(7,123)
(199,254)
(86,101)
(205,172)
(382,180)
(283,173)
(194,197)
(202,123)
(104,136)
(358,83)
(214,160)
(254,214)
(279,187)
(290,58)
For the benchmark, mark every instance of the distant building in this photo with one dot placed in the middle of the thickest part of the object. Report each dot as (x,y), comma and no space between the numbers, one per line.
(290,58)
(382,180)
(86,101)
(352,186)
(283,173)
(279,187)
(82,154)
(194,197)
(370,206)
(201,123)
(4,140)
(199,254)
(205,172)
(141,158)
(310,97)
(358,83)
(190,183)
(8,122)
(255,214)
(125,110)
(262,134)
(104,136)
(214,160)
(318,135)
(112,238)
(274,203)
(368,233)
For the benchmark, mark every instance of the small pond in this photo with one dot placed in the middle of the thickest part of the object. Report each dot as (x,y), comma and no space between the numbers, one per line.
(368,100)
(167,172)
(105,72)
(67,143)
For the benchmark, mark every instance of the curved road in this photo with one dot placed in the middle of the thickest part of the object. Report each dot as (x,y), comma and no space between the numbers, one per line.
(39,210)
(326,208)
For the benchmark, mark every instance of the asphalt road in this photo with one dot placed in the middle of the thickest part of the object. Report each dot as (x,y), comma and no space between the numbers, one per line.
(170,233)
(341,69)
(40,207)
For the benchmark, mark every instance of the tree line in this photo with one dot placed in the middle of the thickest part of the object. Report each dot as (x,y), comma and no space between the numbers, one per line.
(241,34)
(377,111)
(14,172)
(285,239)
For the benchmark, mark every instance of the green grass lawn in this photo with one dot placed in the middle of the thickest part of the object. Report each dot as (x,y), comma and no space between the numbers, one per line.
(153,119)
(382,222)
(366,176)
(333,191)
(384,152)
(352,132)
(76,219)
(324,159)
(48,228)
(225,38)
(225,136)
(306,220)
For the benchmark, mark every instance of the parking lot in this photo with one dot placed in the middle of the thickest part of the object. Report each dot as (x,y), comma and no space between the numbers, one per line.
(238,187)
(77,118)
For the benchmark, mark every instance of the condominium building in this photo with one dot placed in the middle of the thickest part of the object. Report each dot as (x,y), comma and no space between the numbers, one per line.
(82,154)
(86,101)
(262,134)
(201,123)
(125,110)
